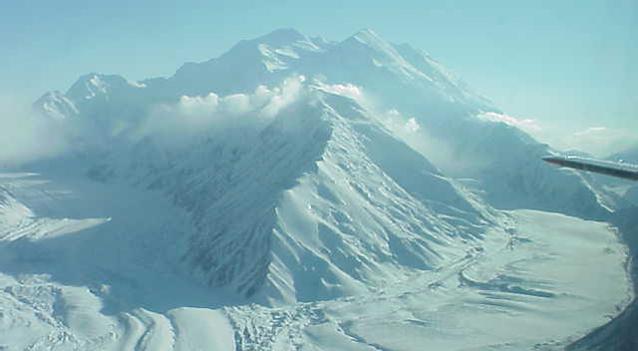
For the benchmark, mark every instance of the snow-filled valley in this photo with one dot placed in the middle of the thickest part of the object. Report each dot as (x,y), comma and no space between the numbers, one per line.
(296,193)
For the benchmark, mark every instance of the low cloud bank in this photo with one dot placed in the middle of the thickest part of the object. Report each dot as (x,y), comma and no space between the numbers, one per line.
(215,115)
(27,136)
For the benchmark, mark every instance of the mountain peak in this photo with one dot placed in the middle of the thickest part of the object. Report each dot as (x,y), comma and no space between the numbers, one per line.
(91,85)
(56,105)
(282,36)
(368,37)
(366,33)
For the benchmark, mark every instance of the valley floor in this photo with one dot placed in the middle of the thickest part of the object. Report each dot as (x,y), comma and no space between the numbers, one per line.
(83,265)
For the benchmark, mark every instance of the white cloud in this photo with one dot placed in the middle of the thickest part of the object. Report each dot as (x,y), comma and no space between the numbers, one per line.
(280,97)
(411,131)
(26,136)
(214,114)
(411,125)
(398,123)
(348,90)
(591,131)
(419,138)
(528,125)
(198,104)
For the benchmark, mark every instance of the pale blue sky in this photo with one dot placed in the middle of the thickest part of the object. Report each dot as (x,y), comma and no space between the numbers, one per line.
(570,65)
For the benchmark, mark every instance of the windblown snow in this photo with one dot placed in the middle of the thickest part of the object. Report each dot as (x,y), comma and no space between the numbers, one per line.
(293,194)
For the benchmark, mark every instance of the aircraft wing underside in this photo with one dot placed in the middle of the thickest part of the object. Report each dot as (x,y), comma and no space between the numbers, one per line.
(615,169)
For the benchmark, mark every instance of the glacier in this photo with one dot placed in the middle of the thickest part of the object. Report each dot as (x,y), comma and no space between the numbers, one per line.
(297,193)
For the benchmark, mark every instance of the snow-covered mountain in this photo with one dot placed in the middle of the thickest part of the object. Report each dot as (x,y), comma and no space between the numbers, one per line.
(338,85)
(377,74)
(347,187)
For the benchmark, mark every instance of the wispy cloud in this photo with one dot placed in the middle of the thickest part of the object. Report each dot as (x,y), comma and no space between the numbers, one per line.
(26,136)
(527,124)
(348,90)
(591,131)
(600,141)
(213,113)
(411,126)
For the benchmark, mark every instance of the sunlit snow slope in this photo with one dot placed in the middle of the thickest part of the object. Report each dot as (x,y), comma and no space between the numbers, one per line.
(295,193)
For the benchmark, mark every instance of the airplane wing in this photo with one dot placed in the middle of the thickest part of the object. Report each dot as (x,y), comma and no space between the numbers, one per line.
(615,169)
